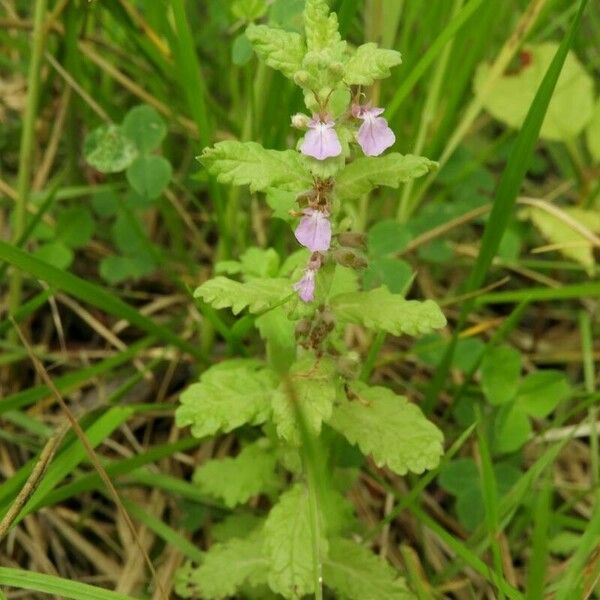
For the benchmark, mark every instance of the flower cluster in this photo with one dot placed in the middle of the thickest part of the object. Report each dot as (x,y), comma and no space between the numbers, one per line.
(321,141)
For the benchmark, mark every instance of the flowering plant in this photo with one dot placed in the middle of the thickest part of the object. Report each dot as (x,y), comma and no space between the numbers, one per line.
(305,403)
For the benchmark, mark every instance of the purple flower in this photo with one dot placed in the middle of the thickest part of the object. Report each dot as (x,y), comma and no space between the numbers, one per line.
(306,286)
(314,230)
(321,140)
(374,135)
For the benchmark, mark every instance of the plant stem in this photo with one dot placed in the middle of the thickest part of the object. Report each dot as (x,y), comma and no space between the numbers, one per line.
(26,148)
(315,526)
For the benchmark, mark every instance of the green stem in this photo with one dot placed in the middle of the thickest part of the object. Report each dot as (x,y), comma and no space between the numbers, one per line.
(315,526)
(26,149)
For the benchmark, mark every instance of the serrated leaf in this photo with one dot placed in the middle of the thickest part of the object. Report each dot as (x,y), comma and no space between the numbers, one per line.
(109,150)
(389,428)
(500,374)
(321,26)
(75,227)
(592,134)
(380,309)
(236,480)
(314,387)
(248,163)
(367,173)
(281,50)
(570,107)
(369,63)
(149,175)
(144,126)
(355,573)
(288,545)
(227,396)
(541,392)
(257,294)
(226,567)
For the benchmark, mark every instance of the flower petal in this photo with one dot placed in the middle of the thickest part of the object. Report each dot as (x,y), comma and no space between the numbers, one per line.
(374,136)
(321,141)
(306,286)
(314,231)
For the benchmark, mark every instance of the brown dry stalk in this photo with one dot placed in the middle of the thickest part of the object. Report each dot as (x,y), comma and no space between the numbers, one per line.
(39,367)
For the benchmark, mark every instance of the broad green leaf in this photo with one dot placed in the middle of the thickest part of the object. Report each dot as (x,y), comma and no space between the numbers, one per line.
(236,480)
(388,237)
(241,50)
(314,389)
(56,254)
(227,396)
(369,63)
(144,126)
(75,227)
(281,202)
(239,523)
(249,10)
(277,329)
(367,173)
(281,50)
(390,428)
(248,163)
(592,134)
(511,428)
(541,392)
(355,573)
(149,175)
(225,568)
(568,240)
(381,310)
(109,150)
(500,374)
(116,269)
(288,545)
(321,26)
(572,103)
(257,294)
(287,14)
(459,475)
(393,273)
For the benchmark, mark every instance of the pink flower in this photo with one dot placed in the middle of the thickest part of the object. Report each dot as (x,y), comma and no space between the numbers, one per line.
(306,286)
(321,140)
(314,230)
(374,135)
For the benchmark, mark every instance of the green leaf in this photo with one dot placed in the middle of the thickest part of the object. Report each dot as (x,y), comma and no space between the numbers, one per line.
(381,310)
(249,10)
(511,428)
(592,134)
(287,14)
(241,50)
(281,50)
(226,567)
(109,150)
(236,480)
(321,26)
(248,163)
(116,269)
(572,103)
(55,253)
(314,385)
(367,173)
(387,237)
(369,63)
(75,227)
(355,573)
(277,329)
(257,295)
(228,396)
(541,392)
(393,273)
(149,175)
(145,127)
(500,374)
(288,545)
(388,427)
(459,475)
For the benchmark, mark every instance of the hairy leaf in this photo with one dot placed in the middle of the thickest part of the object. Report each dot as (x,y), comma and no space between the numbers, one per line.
(226,567)
(288,545)
(314,389)
(380,309)
(281,50)
(369,63)
(355,573)
(248,163)
(257,294)
(321,26)
(388,427)
(367,173)
(238,479)
(228,395)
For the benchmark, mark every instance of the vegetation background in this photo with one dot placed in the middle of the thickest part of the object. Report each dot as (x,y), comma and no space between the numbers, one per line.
(97,269)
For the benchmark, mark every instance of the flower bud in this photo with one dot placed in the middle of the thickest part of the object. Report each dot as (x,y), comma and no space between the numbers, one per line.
(350,258)
(301,78)
(352,239)
(336,69)
(302,328)
(300,121)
